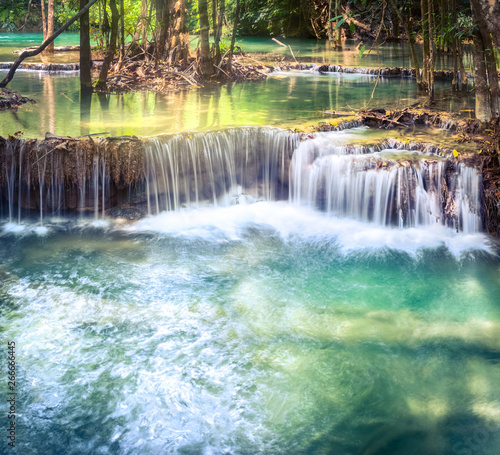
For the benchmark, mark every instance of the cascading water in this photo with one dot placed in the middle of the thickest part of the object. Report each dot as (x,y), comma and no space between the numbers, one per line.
(219,168)
(375,185)
(270,327)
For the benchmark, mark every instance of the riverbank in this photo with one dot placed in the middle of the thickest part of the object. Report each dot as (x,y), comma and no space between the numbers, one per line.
(138,75)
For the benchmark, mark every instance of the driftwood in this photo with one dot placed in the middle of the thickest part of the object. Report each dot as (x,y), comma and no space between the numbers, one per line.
(9,99)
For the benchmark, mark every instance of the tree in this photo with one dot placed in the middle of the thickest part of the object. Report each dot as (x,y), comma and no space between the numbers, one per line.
(206,65)
(106,64)
(486,80)
(50,25)
(411,41)
(44,45)
(85,53)
(233,36)
(217,21)
(489,12)
(179,37)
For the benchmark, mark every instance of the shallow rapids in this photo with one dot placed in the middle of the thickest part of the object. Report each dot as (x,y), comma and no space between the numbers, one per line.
(259,328)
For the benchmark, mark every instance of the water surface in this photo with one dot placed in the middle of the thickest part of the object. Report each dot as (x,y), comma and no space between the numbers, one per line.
(252,329)
(286,100)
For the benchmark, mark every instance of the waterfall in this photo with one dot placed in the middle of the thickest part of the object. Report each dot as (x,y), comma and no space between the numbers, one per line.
(371,185)
(385,184)
(219,168)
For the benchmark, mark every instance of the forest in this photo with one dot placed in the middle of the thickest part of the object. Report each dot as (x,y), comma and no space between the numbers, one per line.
(160,31)
(250,227)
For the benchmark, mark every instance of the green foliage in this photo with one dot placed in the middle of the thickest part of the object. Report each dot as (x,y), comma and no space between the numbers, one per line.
(361,51)
(12,15)
(270,17)
(65,10)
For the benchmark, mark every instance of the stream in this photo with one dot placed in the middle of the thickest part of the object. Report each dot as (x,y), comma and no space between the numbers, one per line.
(279,297)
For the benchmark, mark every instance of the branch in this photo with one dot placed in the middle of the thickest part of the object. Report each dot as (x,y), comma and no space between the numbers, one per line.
(49,40)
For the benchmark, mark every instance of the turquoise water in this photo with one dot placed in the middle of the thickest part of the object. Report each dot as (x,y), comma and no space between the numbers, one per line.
(10,42)
(318,51)
(388,54)
(297,99)
(261,328)
(251,329)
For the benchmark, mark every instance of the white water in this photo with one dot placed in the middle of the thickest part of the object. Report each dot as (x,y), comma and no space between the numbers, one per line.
(390,187)
(215,167)
(301,223)
(375,187)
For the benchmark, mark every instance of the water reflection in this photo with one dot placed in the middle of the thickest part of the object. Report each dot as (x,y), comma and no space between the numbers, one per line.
(388,54)
(282,100)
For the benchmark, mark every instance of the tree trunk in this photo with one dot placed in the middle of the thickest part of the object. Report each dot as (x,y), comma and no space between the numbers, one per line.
(489,10)
(144,24)
(483,109)
(103,75)
(206,64)
(215,28)
(179,43)
(426,49)
(488,56)
(105,26)
(491,66)
(329,27)
(222,7)
(161,33)
(50,25)
(463,74)
(406,26)
(454,47)
(44,20)
(85,53)
(44,45)
(430,12)
(338,30)
(122,28)
(233,36)
(395,26)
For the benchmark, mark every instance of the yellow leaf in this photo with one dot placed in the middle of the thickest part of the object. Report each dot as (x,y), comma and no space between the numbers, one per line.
(455,153)
(384,164)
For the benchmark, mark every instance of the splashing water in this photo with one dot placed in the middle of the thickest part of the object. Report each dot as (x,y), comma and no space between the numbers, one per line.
(300,326)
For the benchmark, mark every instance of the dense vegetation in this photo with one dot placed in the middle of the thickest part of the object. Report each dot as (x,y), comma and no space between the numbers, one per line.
(161,29)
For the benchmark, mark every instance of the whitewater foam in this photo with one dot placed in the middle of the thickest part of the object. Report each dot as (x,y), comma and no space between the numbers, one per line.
(293,223)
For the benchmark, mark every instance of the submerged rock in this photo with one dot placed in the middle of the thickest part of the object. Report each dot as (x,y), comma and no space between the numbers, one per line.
(128,213)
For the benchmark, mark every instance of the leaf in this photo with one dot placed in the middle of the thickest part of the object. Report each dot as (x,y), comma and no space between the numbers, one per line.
(352,27)
(335,18)
(455,153)
(361,51)
(339,23)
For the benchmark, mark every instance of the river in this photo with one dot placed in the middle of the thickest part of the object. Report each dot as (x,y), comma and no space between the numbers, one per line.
(342,314)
